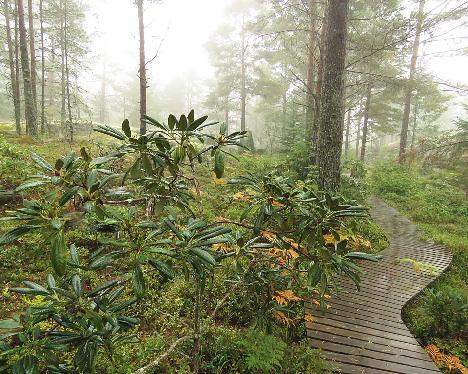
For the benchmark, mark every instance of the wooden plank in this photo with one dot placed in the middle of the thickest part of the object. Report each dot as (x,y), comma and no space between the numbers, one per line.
(363,331)
(391,357)
(372,346)
(371,363)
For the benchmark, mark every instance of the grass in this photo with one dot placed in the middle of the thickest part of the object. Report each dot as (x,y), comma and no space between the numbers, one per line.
(438,205)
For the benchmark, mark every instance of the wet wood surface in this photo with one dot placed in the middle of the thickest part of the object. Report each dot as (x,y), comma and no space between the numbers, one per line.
(362,331)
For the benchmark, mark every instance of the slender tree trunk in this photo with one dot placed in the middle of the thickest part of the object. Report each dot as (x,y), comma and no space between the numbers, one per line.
(67,73)
(13,76)
(331,113)
(358,137)
(409,88)
(63,113)
(415,123)
(41,18)
(348,125)
(17,64)
(51,74)
(366,120)
(30,108)
(318,90)
(103,109)
(226,113)
(142,70)
(32,50)
(311,125)
(243,89)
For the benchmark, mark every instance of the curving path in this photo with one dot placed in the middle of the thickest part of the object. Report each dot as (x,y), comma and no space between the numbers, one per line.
(363,331)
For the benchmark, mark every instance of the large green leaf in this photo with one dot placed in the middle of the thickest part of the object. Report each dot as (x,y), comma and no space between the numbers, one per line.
(41,162)
(59,254)
(138,281)
(31,184)
(16,233)
(9,324)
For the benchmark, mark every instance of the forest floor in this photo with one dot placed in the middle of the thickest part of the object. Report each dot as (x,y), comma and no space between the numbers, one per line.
(434,201)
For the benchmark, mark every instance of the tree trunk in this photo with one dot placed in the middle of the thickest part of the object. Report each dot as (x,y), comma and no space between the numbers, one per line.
(30,108)
(409,88)
(243,89)
(348,125)
(311,125)
(41,18)
(142,70)
(63,113)
(17,62)
(13,75)
(67,73)
(331,112)
(103,109)
(226,113)
(366,120)
(318,90)
(32,50)
(415,123)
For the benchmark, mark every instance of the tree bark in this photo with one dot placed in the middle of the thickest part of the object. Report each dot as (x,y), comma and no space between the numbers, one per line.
(318,90)
(311,125)
(30,108)
(243,89)
(13,76)
(409,88)
(32,51)
(142,70)
(348,125)
(41,19)
(331,112)
(63,113)
(226,113)
(67,73)
(415,124)
(366,120)
(17,62)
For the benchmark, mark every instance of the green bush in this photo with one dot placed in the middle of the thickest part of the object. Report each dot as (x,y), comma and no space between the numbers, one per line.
(442,314)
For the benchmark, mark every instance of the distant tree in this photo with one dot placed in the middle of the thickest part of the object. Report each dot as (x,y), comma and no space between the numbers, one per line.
(30,108)
(32,51)
(409,88)
(13,74)
(331,113)
(142,68)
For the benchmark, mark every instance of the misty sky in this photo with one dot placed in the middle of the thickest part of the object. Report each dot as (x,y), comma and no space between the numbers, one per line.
(182,27)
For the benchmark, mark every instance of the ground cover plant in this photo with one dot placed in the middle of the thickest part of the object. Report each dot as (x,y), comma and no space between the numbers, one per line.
(131,256)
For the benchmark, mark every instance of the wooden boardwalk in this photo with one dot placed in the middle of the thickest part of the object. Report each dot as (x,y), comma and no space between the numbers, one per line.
(362,331)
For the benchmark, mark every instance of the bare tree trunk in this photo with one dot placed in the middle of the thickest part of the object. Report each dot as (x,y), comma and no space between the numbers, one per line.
(311,125)
(366,120)
(226,113)
(17,62)
(13,76)
(409,88)
(30,108)
(348,125)
(103,109)
(415,123)
(142,70)
(243,89)
(67,73)
(32,51)
(41,18)
(318,90)
(331,113)
(63,113)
